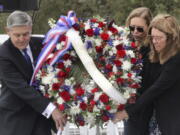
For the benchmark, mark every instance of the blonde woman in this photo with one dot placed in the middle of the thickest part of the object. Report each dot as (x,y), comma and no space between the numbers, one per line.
(138,22)
(164,93)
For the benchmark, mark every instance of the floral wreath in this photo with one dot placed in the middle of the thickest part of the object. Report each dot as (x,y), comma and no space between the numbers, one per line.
(90,69)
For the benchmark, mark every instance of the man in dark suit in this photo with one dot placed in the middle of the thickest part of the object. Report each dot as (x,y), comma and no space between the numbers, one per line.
(23,110)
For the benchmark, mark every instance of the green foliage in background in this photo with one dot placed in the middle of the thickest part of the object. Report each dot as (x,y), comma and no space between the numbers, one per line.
(112,9)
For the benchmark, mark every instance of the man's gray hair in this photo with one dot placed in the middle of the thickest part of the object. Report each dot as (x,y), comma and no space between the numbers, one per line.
(18,18)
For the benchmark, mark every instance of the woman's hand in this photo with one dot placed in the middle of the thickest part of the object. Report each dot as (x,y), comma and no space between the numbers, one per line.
(120,116)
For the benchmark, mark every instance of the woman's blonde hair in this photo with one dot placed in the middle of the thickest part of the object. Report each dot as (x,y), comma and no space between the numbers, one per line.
(142,12)
(170,27)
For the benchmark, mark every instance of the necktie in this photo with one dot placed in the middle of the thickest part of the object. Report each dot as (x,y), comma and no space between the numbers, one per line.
(28,60)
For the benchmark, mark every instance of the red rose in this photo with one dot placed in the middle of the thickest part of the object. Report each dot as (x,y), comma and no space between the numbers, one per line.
(121,53)
(135,86)
(48,61)
(61,107)
(117,62)
(119,47)
(101,24)
(104,36)
(99,49)
(61,74)
(81,122)
(60,65)
(110,74)
(120,80)
(90,32)
(121,107)
(109,67)
(94,90)
(93,20)
(65,95)
(92,102)
(133,60)
(56,86)
(104,98)
(113,30)
(108,107)
(68,69)
(133,45)
(62,38)
(101,58)
(79,91)
(105,118)
(129,75)
(66,56)
(83,106)
(90,108)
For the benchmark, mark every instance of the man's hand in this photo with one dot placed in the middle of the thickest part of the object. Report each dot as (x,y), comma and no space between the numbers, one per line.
(59,119)
(120,116)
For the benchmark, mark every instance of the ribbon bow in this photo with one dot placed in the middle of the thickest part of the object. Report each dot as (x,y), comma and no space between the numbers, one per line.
(51,39)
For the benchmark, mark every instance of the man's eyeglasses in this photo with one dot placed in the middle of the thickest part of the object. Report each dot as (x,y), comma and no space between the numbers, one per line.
(139,29)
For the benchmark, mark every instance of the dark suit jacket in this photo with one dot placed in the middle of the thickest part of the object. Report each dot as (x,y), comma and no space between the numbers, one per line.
(165,94)
(20,104)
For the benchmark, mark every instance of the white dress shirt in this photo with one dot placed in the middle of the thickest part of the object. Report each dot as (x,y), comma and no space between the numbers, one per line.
(50,108)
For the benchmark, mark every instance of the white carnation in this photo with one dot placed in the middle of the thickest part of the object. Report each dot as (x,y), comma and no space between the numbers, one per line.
(47,79)
(97,42)
(60,100)
(75,110)
(59,46)
(130,53)
(67,63)
(116,42)
(126,65)
(90,119)
(115,70)
(97,95)
(126,94)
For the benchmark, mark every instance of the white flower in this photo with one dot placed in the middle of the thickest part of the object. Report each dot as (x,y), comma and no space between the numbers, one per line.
(95,109)
(47,79)
(126,65)
(116,42)
(67,82)
(113,110)
(97,41)
(130,53)
(87,26)
(73,53)
(60,100)
(51,22)
(55,80)
(50,69)
(110,33)
(67,63)
(59,46)
(72,91)
(85,99)
(90,119)
(41,88)
(115,70)
(97,95)
(38,75)
(126,94)
(75,110)
(50,56)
